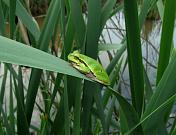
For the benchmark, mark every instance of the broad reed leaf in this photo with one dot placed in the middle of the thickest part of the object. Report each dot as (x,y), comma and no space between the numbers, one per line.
(20,54)
(134,54)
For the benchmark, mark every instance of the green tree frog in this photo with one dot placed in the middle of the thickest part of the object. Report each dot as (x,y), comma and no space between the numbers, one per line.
(90,67)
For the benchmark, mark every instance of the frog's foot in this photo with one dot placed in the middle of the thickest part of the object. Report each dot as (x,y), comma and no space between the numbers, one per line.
(90,75)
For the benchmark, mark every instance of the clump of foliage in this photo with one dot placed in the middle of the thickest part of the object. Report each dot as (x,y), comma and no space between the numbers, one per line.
(70,103)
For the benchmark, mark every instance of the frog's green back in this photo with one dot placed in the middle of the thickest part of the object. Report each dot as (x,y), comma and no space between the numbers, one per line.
(96,69)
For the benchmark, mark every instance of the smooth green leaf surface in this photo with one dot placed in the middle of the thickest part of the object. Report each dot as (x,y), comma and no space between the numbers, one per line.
(20,54)
(107,47)
(134,54)
(77,16)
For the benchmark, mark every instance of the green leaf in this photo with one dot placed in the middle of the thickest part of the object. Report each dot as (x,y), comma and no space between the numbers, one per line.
(12,17)
(20,54)
(22,125)
(77,108)
(91,90)
(43,44)
(106,11)
(166,37)
(129,119)
(107,47)
(2,21)
(77,17)
(11,107)
(27,20)
(134,54)
(165,90)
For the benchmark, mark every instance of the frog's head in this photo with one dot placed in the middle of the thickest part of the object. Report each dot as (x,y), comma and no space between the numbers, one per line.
(77,62)
(73,57)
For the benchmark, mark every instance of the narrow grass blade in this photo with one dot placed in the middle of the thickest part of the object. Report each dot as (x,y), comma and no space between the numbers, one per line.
(134,54)
(106,11)
(58,125)
(147,87)
(20,85)
(174,131)
(131,118)
(12,9)
(113,76)
(160,7)
(2,132)
(164,90)
(146,7)
(89,89)
(76,14)
(69,36)
(93,33)
(173,128)
(166,37)
(11,107)
(26,19)
(144,119)
(100,109)
(22,125)
(9,130)
(66,108)
(2,21)
(3,86)
(110,113)
(77,108)
(116,59)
